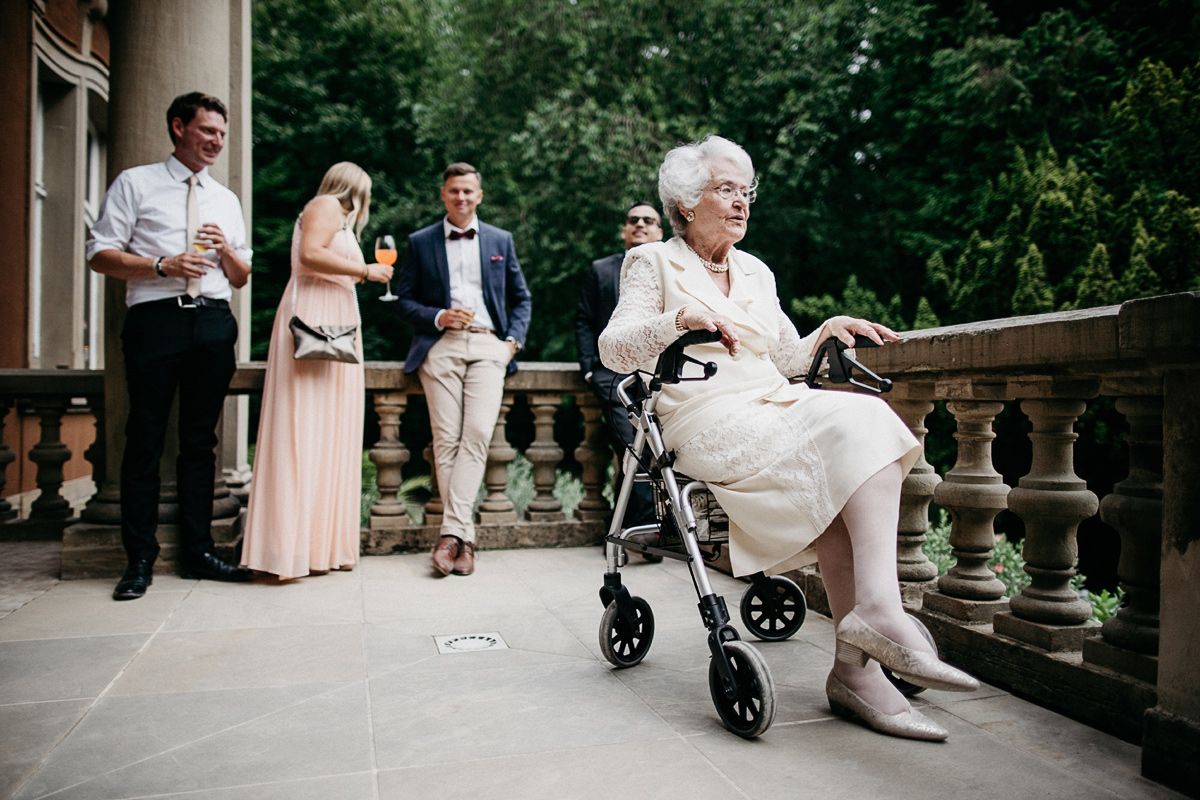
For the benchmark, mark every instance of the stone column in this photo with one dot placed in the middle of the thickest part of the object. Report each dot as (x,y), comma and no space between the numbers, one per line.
(1129,639)
(50,509)
(434,508)
(546,456)
(496,508)
(912,401)
(158,51)
(592,453)
(974,493)
(1051,500)
(389,455)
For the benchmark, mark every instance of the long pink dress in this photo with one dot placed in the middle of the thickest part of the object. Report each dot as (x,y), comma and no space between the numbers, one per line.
(303,514)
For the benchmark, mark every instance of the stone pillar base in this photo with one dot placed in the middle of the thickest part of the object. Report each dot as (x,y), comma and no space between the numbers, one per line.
(544,516)
(1171,751)
(35,530)
(912,592)
(388,523)
(971,611)
(1052,638)
(418,538)
(1105,654)
(497,517)
(95,551)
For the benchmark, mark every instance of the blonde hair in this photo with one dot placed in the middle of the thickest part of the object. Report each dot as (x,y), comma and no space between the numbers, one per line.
(348,182)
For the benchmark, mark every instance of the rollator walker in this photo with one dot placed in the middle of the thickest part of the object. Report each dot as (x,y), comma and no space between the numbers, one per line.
(772,608)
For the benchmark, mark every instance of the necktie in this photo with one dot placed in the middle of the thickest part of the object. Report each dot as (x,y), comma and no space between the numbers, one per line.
(455,235)
(193,224)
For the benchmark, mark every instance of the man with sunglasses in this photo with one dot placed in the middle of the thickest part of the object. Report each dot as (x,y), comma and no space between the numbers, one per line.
(597,300)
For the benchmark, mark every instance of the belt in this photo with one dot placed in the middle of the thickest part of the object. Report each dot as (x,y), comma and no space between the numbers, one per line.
(190,303)
(477,329)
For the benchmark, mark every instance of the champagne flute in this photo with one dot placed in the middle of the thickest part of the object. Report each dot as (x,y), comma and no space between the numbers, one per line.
(385,253)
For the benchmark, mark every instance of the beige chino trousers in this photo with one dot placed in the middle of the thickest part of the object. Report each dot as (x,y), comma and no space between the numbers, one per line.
(463,379)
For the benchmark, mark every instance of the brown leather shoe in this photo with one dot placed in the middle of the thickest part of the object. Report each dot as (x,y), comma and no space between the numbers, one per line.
(465,563)
(445,553)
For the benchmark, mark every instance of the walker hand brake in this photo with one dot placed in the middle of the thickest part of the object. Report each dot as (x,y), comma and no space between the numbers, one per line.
(842,365)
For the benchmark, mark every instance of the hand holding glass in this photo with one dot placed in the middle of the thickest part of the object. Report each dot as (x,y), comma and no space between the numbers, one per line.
(385,253)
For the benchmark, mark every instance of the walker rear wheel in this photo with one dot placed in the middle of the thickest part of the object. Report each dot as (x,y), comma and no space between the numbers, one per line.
(626,643)
(752,708)
(773,609)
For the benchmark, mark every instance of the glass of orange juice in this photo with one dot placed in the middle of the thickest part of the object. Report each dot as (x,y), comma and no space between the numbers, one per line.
(385,253)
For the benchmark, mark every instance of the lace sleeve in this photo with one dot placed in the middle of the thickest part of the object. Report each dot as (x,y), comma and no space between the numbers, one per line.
(639,329)
(794,355)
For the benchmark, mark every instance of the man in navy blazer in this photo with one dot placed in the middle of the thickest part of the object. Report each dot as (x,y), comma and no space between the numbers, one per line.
(597,301)
(464,293)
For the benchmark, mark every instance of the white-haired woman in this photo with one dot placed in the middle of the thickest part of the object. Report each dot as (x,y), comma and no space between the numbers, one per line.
(303,514)
(804,475)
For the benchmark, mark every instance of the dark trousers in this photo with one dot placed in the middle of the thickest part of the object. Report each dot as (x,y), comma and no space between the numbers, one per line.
(167,348)
(640,510)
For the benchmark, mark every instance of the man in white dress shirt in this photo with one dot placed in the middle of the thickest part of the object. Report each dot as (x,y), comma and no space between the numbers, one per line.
(463,291)
(178,240)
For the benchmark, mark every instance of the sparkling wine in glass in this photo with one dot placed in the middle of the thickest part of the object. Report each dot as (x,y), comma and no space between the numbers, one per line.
(385,253)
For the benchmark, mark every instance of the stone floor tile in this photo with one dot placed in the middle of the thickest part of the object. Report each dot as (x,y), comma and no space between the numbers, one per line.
(58,616)
(246,658)
(209,740)
(427,719)
(318,600)
(355,786)
(666,769)
(28,732)
(63,669)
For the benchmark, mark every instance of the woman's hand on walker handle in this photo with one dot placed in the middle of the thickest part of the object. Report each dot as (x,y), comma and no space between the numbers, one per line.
(695,320)
(380,273)
(845,328)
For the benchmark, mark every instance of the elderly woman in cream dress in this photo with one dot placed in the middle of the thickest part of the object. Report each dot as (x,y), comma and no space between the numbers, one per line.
(803,474)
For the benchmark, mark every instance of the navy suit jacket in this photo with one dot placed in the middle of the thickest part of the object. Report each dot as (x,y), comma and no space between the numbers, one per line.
(424,287)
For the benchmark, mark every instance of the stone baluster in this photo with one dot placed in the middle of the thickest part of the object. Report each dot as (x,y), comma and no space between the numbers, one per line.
(50,454)
(1129,639)
(974,493)
(496,507)
(389,455)
(95,454)
(546,455)
(912,401)
(1051,500)
(7,456)
(593,454)
(434,508)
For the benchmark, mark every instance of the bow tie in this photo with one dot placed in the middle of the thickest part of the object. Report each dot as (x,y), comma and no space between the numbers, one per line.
(454,235)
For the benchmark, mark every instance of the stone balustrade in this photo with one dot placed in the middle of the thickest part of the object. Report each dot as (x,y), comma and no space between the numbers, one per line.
(1041,643)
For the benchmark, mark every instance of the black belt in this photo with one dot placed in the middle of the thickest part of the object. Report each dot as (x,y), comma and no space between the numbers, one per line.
(190,303)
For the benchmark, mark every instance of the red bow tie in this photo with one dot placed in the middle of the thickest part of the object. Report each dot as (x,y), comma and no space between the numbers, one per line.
(462,234)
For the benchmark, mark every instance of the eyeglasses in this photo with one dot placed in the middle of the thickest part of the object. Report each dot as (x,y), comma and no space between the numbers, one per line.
(727,191)
(633,219)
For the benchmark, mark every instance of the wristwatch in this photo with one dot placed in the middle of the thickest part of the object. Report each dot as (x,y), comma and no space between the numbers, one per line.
(514,341)
(158,262)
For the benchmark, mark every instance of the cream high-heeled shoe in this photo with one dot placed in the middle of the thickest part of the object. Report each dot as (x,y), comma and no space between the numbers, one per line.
(857,641)
(911,724)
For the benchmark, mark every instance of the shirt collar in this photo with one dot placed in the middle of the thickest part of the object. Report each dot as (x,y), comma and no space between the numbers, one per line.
(179,171)
(448,226)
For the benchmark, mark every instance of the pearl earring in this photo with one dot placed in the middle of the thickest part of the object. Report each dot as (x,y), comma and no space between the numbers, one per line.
(690,216)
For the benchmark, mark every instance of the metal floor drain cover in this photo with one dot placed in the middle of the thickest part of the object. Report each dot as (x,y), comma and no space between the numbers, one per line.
(470,642)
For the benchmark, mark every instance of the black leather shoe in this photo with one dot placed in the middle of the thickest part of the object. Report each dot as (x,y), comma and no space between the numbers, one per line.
(210,567)
(133,584)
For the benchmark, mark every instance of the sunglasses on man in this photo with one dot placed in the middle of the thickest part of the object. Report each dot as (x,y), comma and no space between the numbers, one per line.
(633,219)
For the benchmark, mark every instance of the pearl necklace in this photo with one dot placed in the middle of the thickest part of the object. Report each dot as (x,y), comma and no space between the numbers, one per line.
(708,265)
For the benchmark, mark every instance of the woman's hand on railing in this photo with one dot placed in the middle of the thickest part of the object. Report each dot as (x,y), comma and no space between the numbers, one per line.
(845,327)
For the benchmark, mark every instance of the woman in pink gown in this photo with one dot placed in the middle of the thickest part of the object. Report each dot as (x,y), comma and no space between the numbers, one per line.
(303,514)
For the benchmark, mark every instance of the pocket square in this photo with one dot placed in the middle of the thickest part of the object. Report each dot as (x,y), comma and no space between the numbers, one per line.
(497,259)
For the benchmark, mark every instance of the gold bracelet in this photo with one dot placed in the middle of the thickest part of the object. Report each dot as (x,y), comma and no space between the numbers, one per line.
(679,326)
(366,273)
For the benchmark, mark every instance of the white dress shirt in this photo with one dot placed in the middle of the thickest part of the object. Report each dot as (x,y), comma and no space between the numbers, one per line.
(466,276)
(145,213)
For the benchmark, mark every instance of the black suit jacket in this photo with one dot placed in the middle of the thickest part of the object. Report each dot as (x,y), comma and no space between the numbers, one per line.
(597,301)
(424,287)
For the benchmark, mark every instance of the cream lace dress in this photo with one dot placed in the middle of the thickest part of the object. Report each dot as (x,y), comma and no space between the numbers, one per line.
(781,458)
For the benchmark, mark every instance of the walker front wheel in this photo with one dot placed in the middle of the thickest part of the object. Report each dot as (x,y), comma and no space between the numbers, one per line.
(751,709)
(623,642)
